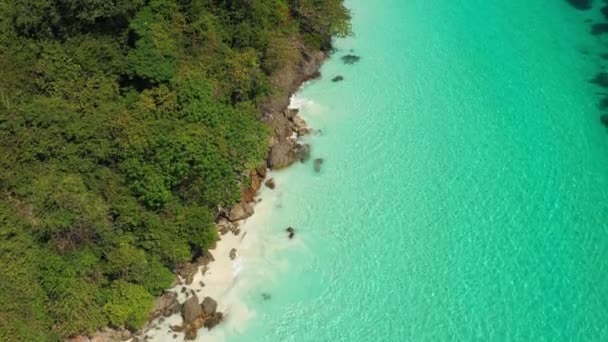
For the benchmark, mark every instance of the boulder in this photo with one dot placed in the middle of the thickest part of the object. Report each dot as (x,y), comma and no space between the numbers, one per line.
(237,231)
(241,211)
(270,183)
(318,163)
(290,232)
(303,132)
(338,78)
(191,309)
(224,226)
(187,272)
(165,303)
(232,254)
(214,320)
(299,123)
(281,155)
(209,306)
(303,152)
(261,170)
(205,257)
(350,59)
(290,113)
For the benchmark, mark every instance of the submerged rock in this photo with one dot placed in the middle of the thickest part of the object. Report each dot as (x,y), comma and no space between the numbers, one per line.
(318,163)
(303,152)
(290,232)
(338,78)
(350,59)
(601,79)
(604,119)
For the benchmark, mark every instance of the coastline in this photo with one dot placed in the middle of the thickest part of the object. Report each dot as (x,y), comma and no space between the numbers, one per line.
(216,273)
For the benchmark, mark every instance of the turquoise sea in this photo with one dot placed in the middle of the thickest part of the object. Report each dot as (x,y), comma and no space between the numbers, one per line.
(464,189)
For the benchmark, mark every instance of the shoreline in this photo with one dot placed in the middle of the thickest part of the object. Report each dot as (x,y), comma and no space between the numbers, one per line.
(216,273)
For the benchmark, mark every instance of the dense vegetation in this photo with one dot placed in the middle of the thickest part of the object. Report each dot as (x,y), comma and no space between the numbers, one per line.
(124,125)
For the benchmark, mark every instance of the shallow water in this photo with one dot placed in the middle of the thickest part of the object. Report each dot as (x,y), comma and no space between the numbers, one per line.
(464,189)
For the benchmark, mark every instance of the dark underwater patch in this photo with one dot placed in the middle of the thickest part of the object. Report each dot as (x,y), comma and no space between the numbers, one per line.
(582,5)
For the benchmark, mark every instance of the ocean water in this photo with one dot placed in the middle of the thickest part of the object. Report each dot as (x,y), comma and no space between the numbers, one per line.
(464,189)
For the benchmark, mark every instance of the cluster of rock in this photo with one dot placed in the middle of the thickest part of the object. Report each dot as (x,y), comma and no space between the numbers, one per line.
(197,315)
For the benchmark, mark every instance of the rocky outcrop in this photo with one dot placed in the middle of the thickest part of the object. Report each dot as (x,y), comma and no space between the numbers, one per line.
(197,315)
(241,211)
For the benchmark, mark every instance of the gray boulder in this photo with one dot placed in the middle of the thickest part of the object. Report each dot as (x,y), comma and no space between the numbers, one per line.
(241,211)
(270,183)
(281,155)
(191,309)
(209,306)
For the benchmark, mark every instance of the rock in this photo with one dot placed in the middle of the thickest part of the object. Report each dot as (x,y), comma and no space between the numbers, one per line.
(236,232)
(318,163)
(232,254)
(224,226)
(350,59)
(291,232)
(206,257)
(201,284)
(304,131)
(204,269)
(240,211)
(337,78)
(604,119)
(290,113)
(299,123)
(165,304)
(222,229)
(282,154)
(270,184)
(209,306)
(183,289)
(266,296)
(214,320)
(187,272)
(261,170)
(191,309)
(303,152)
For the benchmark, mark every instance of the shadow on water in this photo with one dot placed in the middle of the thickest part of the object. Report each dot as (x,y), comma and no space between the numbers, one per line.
(598,30)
